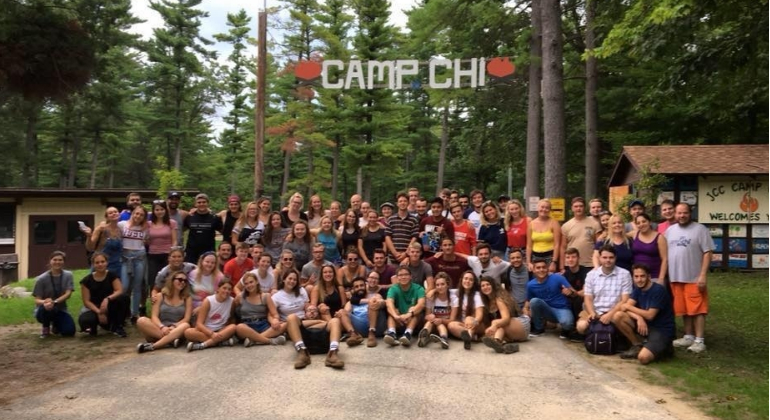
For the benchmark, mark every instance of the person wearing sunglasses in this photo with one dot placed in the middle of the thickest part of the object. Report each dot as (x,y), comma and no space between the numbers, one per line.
(170,318)
(352,269)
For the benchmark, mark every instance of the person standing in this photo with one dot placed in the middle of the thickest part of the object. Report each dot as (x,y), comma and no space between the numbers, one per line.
(177,215)
(579,233)
(202,226)
(230,217)
(134,233)
(668,214)
(402,230)
(689,255)
(132,201)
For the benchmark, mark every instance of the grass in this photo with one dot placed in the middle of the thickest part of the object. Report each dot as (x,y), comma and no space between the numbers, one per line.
(19,310)
(730,380)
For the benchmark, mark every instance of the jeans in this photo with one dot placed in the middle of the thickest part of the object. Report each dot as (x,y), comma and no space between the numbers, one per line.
(61,320)
(132,276)
(541,312)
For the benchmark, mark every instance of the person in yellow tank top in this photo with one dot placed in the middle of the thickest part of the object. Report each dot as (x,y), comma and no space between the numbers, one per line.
(542,233)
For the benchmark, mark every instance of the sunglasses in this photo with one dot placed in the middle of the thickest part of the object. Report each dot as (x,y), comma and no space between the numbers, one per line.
(181,278)
(288,259)
(352,259)
(158,201)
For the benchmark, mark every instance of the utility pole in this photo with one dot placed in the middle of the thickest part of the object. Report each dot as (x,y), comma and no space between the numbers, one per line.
(259,110)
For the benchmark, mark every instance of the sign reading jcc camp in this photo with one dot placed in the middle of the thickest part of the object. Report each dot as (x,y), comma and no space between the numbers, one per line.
(399,74)
(735,200)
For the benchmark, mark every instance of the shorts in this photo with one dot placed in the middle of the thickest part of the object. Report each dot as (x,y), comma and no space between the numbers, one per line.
(526,323)
(259,326)
(361,325)
(659,344)
(316,339)
(688,299)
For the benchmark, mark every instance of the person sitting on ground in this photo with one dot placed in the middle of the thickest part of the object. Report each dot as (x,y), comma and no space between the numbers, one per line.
(204,280)
(441,306)
(607,288)
(307,330)
(468,325)
(170,317)
(405,303)
(548,300)
(214,326)
(329,296)
(291,298)
(364,308)
(52,289)
(257,316)
(503,320)
(104,302)
(646,319)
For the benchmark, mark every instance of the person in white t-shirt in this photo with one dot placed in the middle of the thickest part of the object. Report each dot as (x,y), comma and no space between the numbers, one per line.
(468,325)
(441,307)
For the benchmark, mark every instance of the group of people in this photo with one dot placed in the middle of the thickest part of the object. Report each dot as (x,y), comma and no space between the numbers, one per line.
(427,270)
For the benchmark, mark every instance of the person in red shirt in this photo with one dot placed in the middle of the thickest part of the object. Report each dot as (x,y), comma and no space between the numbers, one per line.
(449,262)
(465,233)
(235,268)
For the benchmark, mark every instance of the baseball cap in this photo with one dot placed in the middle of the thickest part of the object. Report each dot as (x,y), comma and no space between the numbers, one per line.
(636,202)
(174,194)
(388,204)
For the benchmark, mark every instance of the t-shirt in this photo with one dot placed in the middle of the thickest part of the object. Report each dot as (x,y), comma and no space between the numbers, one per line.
(517,284)
(402,231)
(99,290)
(686,246)
(249,234)
(310,269)
(465,238)
(204,288)
(663,226)
(266,283)
(477,303)
(454,269)
(286,222)
(159,237)
(289,303)
(372,240)
(301,252)
(429,225)
(549,291)
(387,273)
(133,236)
(577,279)
(201,235)
(233,271)
(420,272)
(494,235)
(580,234)
(475,218)
(49,286)
(494,270)
(160,279)
(656,297)
(442,308)
(405,299)
(329,241)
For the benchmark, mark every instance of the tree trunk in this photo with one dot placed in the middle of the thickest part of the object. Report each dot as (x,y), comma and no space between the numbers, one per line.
(534,107)
(335,165)
(73,167)
(592,112)
(553,101)
(65,151)
(29,168)
(95,157)
(285,180)
(442,150)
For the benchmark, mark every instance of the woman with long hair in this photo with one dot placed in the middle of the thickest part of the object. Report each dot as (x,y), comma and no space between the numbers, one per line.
(315,212)
(329,295)
(335,210)
(275,235)
(106,238)
(51,291)
(624,256)
(469,322)
(515,223)
(263,204)
(291,298)
(544,237)
(349,231)
(293,212)
(205,280)
(492,230)
(170,317)
(604,222)
(161,237)
(257,315)
(441,308)
(248,228)
(372,237)
(299,242)
(503,320)
(213,324)
(328,236)
(134,233)
(650,248)
(104,303)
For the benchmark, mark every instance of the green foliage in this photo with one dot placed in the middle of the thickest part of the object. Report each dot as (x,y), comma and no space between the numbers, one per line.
(648,188)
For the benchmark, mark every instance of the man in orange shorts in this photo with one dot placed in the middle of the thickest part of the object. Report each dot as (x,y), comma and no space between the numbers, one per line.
(689,256)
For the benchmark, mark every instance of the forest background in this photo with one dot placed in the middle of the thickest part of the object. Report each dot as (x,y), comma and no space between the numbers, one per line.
(87,103)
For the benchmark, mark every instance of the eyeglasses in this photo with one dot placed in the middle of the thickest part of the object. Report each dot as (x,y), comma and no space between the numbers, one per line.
(288,259)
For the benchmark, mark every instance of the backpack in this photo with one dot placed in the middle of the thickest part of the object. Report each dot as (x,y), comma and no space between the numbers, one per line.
(601,338)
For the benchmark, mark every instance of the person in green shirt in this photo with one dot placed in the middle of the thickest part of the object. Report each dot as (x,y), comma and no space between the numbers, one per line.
(405,305)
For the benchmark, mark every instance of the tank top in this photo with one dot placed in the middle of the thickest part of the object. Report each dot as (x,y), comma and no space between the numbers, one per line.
(170,314)
(252,311)
(159,237)
(542,241)
(333,301)
(349,240)
(517,234)
(648,254)
(219,313)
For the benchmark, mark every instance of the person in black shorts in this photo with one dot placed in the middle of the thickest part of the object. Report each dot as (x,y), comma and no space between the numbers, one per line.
(312,335)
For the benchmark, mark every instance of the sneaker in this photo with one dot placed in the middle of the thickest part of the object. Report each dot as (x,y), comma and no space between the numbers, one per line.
(422,338)
(697,347)
(406,340)
(493,343)
(344,337)
(355,339)
(509,348)
(564,335)
(632,352)
(195,346)
(333,361)
(371,340)
(278,341)
(176,343)
(54,330)
(684,342)
(120,332)
(576,337)
(303,359)
(390,339)
(45,332)
(536,333)
(247,342)
(444,342)
(144,347)
(466,337)
(228,343)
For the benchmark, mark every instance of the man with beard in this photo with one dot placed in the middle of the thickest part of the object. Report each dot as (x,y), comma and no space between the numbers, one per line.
(517,276)
(579,232)
(132,201)
(382,268)
(365,310)
(484,265)
(177,215)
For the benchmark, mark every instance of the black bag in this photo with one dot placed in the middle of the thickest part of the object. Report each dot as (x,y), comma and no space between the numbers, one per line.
(316,340)
(601,338)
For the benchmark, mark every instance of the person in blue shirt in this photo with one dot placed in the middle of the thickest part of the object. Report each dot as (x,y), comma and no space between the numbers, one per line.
(547,300)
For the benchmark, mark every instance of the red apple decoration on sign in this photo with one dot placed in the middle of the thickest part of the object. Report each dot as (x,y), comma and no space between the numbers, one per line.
(307,70)
(500,67)
(749,204)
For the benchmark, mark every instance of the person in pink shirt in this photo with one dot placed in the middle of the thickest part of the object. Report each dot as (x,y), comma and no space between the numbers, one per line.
(668,214)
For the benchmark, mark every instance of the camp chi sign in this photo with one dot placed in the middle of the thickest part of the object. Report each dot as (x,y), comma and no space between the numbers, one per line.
(391,74)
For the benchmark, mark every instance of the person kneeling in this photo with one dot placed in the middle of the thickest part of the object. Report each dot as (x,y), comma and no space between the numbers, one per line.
(213,325)
(646,319)
(316,332)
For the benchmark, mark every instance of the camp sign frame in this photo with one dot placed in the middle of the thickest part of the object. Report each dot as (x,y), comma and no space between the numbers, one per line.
(733,200)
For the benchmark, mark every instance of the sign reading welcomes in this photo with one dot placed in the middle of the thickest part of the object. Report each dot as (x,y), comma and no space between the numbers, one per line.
(736,200)
(400,74)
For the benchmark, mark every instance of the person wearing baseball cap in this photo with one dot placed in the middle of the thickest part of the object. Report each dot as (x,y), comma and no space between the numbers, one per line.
(635,208)
(386,210)
(175,213)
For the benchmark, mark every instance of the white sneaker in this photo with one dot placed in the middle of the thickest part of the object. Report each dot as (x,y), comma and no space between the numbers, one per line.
(684,342)
(697,348)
